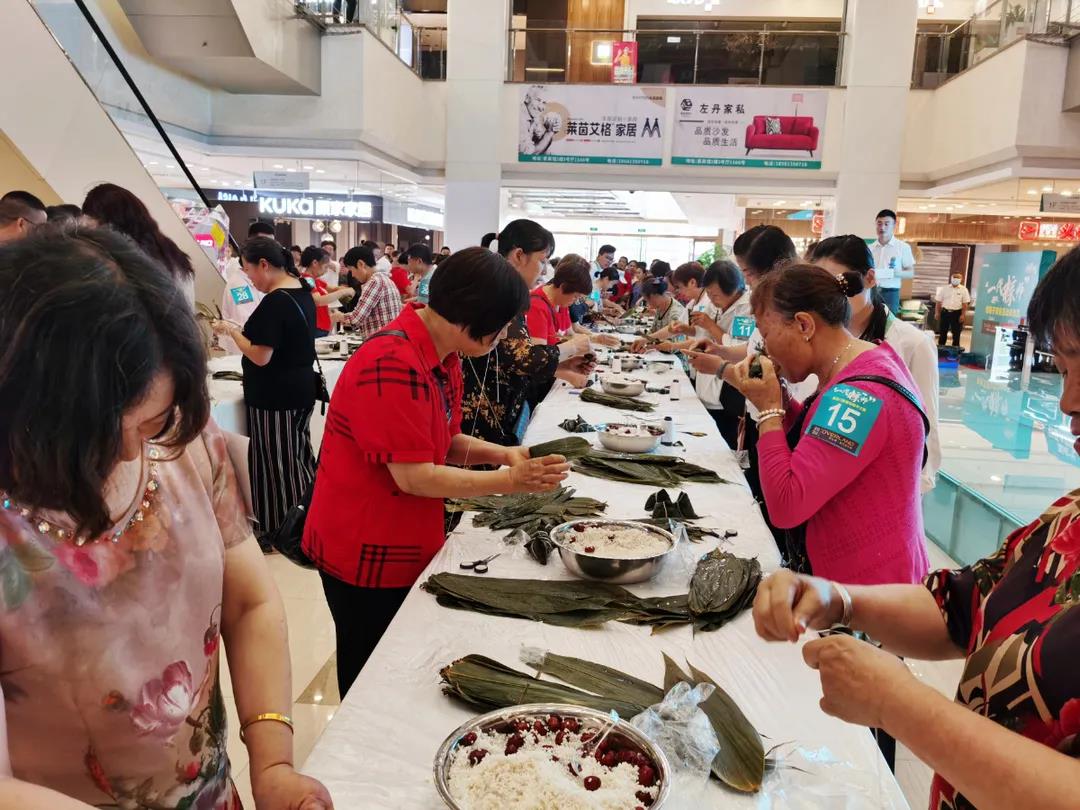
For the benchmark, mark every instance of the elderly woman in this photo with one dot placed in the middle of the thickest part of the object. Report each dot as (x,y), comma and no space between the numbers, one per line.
(833,465)
(1011,738)
(126,550)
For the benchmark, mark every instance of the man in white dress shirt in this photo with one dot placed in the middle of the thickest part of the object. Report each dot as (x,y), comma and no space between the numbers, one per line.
(952,304)
(893,260)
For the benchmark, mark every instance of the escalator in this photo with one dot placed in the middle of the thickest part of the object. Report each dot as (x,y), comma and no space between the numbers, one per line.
(62,65)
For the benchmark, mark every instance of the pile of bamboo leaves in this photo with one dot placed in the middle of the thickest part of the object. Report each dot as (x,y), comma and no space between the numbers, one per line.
(719,591)
(482,682)
(644,468)
(530,512)
(616,401)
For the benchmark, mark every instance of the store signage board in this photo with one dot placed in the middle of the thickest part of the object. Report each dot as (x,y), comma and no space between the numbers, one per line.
(412,216)
(312,205)
(1059,204)
(715,125)
(283,181)
(1033,230)
(577,123)
(624,57)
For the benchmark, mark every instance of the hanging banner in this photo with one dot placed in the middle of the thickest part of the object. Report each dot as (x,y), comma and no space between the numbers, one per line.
(624,63)
(580,123)
(1006,283)
(763,127)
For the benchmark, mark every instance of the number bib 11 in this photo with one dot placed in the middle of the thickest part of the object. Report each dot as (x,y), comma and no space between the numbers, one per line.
(742,327)
(844,418)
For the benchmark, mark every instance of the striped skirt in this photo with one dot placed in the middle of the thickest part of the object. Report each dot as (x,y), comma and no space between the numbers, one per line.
(281,461)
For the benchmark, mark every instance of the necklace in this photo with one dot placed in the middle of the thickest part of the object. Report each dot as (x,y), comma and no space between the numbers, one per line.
(47,528)
(832,368)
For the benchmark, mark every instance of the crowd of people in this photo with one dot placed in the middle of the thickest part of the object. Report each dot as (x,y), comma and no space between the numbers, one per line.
(128,554)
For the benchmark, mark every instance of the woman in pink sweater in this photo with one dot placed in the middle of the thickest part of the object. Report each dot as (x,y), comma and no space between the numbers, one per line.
(844,480)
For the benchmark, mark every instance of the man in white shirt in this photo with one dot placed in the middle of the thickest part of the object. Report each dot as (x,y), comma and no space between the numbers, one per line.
(893,260)
(605,257)
(332,277)
(952,304)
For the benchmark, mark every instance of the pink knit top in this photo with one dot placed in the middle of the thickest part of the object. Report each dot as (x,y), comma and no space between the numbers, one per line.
(863,513)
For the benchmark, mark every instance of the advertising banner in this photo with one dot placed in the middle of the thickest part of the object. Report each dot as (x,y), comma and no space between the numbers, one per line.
(624,63)
(579,123)
(763,127)
(1006,283)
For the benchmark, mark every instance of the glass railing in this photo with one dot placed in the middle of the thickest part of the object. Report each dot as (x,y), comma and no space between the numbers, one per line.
(421,48)
(940,55)
(678,56)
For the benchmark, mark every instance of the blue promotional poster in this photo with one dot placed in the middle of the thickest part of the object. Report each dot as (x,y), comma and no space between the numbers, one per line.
(1006,283)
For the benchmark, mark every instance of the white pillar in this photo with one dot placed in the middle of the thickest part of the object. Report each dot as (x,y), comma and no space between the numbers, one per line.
(878,54)
(475,70)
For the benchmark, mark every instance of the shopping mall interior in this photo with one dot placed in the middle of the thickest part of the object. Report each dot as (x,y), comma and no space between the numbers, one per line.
(665,129)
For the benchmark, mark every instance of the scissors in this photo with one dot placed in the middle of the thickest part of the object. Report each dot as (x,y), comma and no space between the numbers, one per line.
(478,566)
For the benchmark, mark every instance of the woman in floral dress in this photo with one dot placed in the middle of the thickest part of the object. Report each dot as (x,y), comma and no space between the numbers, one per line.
(126,556)
(1011,738)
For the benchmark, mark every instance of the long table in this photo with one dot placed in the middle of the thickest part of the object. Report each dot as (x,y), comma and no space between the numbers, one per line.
(377,752)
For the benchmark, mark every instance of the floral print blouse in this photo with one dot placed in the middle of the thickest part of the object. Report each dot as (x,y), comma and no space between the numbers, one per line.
(109,652)
(496,386)
(1016,613)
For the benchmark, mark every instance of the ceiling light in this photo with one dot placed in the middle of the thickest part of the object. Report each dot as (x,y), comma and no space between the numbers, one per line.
(1032,192)
(278,166)
(960,205)
(290,170)
(1048,189)
(778,203)
(922,207)
(1066,194)
(169,166)
(308,168)
(152,163)
(320,171)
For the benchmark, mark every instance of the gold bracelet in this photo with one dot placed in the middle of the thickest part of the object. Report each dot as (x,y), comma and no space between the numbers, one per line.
(259,718)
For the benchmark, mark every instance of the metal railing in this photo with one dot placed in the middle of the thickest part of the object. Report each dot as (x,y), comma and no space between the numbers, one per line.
(679,55)
(421,48)
(940,55)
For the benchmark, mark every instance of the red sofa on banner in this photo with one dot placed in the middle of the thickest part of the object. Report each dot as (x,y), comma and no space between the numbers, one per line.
(798,133)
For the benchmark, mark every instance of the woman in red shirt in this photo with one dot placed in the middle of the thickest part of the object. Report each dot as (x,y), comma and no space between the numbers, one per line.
(314,260)
(393,430)
(571,281)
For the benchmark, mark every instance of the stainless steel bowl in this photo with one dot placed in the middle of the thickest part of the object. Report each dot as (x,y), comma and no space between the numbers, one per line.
(623,386)
(612,440)
(606,569)
(630,362)
(587,717)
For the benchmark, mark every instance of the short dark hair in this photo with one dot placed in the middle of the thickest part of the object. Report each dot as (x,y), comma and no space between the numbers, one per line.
(61,213)
(886,213)
(848,250)
(358,254)
(446,248)
(125,321)
(572,275)
(605,249)
(313,254)
(118,208)
(420,251)
(742,243)
(660,269)
(479,290)
(11,210)
(770,250)
(623,257)
(26,198)
(326,242)
(296,249)
(1054,311)
(530,236)
(260,228)
(726,275)
(808,288)
(690,271)
(654,286)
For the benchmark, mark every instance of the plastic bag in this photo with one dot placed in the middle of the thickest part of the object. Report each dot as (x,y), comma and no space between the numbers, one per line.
(683,732)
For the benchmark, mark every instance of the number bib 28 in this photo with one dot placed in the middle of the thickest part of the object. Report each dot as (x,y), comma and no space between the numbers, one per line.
(241,295)
(844,418)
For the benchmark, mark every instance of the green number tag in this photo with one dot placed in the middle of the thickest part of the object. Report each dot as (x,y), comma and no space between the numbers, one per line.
(742,327)
(241,295)
(844,418)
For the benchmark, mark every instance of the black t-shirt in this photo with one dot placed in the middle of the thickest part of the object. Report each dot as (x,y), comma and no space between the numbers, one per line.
(284,321)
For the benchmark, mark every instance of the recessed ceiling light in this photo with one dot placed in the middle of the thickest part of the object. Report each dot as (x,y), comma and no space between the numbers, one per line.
(308,168)
(278,166)
(922,207)
(290,170)
(320,171)
(778,203)
(152,163)
(1048,189)
(169,166)
(1032,192)
(1066,194)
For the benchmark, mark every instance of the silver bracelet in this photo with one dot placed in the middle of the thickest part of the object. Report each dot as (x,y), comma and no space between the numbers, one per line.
(769,414)
(849,609)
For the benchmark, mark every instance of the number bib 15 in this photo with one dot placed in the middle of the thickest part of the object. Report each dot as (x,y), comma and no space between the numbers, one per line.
(844,418)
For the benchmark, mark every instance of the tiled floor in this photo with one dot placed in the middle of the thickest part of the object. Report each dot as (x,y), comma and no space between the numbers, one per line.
(311,645)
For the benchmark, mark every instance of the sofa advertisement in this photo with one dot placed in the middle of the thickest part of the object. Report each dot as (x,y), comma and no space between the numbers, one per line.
(761,127)
(579,123)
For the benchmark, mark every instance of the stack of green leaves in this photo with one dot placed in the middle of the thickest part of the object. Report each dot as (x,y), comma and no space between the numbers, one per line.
(570,448)
(715,599)
(485,683)
(530,512)
(616,401)
(644,468)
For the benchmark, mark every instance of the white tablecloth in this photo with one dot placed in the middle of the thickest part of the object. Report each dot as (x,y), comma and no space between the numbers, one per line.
(227,397)
(377,751)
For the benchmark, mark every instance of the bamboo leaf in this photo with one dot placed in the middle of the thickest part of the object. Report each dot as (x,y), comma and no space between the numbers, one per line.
(600,680)
(741,761)
(673,674)
(570,448)
(616,401)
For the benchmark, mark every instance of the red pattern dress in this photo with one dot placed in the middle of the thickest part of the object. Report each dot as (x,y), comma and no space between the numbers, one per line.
(1016,615)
